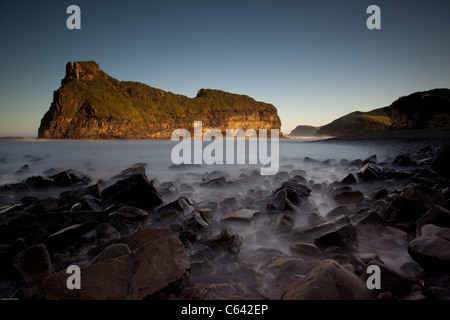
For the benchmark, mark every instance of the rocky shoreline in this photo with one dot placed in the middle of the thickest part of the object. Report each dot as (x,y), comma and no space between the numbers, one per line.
(212,235)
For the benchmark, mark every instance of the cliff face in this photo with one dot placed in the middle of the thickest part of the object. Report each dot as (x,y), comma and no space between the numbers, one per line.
(92,105)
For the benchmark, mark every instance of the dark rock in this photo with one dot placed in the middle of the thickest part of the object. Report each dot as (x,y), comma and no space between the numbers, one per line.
(228,203)
(342,209)
(283,223)
(74,196)
(226,241)
(215,183)
(315,218)
(11,232)
(113,251)
(43,206)
(147,270)
(328,281)
(294,190)
(135,191)
(437,215)
(249,276)
(303,248)
(33,263)
(349,179)
(403,160)
(55,221)
(390,280)
(441,162)
(371,159)
(39,182)
(141,237)
(312,232)
(413,203)
(244,215)
(370,171)
(196,221)
(68,235)
(137,168)
(432,248)
(349,197)
(308,160)
(344,237)
(381,194)
(285,270)
(182,205)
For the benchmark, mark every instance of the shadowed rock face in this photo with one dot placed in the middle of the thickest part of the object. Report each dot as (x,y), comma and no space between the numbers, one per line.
(92,105)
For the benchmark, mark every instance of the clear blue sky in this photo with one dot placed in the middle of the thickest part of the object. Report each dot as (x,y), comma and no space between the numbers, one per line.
(314,60)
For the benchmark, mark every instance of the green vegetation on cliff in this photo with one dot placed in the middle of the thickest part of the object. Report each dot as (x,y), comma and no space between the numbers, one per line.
(108,108)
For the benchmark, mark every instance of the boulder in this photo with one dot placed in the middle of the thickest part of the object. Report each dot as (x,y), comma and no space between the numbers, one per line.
(196,222)
(370,171)
(74,196)
(135,191)
(304,248)
(344,237)
(432,248)
(147,270)
(390,280)
(33,263)
(349,197)
(245,215)
(113,251)
(441,162)
(43,206)
(342,209)
(328,281)
(182,206)
(413,203)
(437,215)
(349,179)
(283,223)
(226,241)
(294,190)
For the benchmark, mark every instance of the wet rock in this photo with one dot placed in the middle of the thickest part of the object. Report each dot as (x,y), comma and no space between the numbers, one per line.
(68,235)
(294,190)
(24,169)
(441,162)
(283,223)
(308,160)
(391,280)
(432,248)
(228,203)
(413,203)
(113,251)
(74,196)
(342,209)
(215,183)
(370,171)
(196,221)
(312,232)
(304,248)
(135,191)
(349,197)
(182,205)
(371,159)
(315,218)
(33,263)
(141,237)
(226,241)
(286,270)
(147,270)
(249,276)
(344,237)
(67,178)
(349,179)
(138,168)
(245,215)
(328,281)
(43,206)
(437,215)
(55,221)
(208,291)
(403,160)
(39,182)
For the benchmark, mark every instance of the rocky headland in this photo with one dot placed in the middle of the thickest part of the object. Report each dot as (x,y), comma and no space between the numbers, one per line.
(92,105)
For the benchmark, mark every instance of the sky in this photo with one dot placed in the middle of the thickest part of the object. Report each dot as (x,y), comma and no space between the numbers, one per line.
(313,60)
